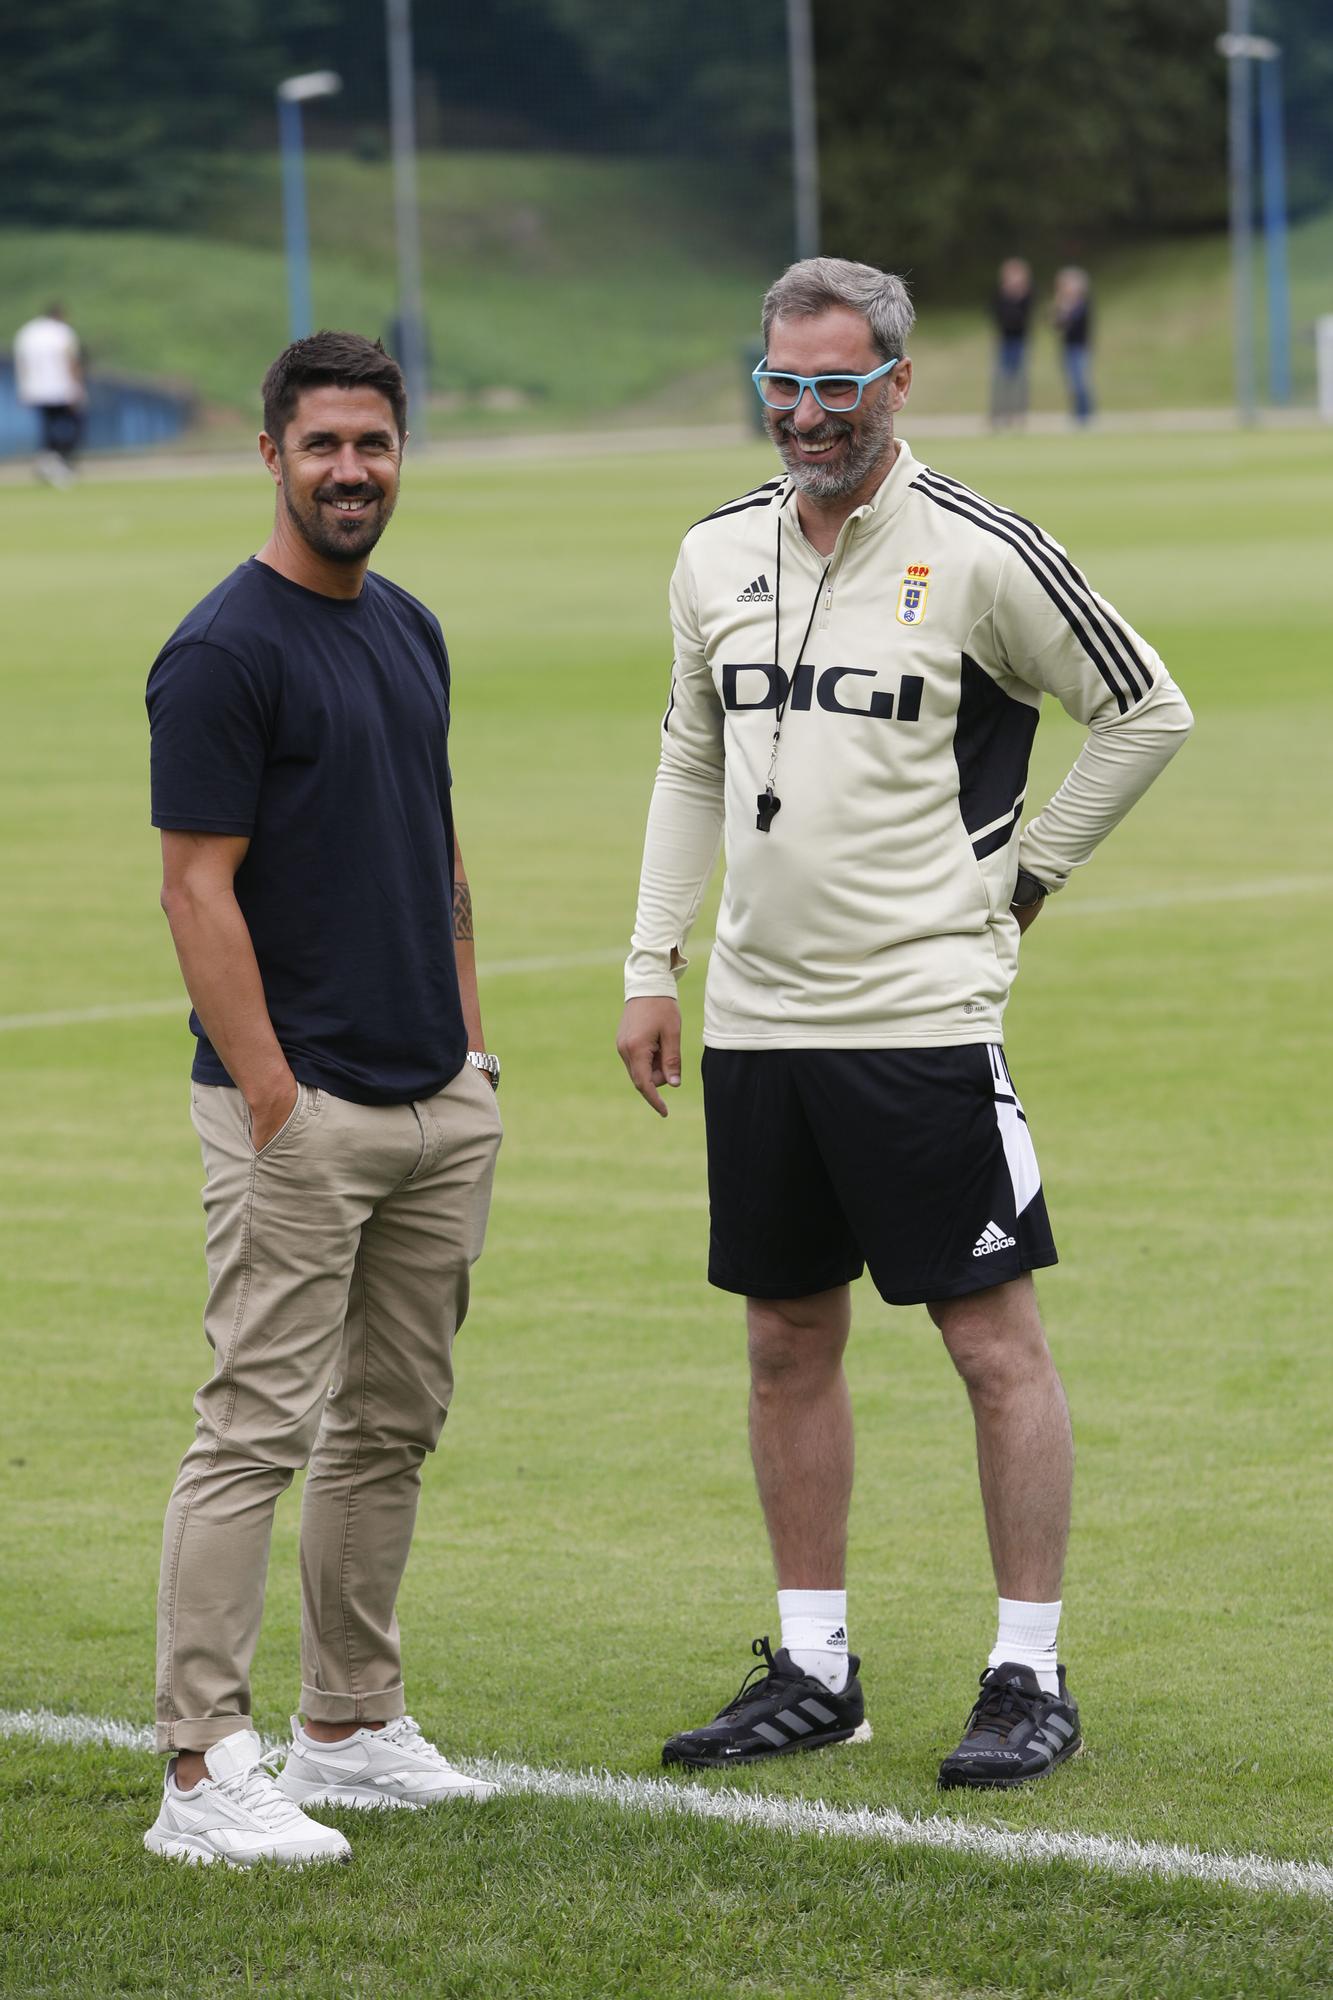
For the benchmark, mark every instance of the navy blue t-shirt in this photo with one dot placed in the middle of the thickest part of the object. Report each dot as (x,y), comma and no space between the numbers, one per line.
(319,727)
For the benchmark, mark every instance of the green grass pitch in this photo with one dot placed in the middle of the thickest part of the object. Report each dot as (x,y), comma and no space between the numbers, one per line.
(590,1564)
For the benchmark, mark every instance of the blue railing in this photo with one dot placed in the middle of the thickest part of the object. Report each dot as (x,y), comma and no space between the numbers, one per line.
(121,416)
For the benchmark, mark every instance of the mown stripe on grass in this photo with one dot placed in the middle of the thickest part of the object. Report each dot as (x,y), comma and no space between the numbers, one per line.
(764,1813)
(134,1010)
(570,961)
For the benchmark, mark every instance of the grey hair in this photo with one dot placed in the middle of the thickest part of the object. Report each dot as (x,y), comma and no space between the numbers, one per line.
(820,283)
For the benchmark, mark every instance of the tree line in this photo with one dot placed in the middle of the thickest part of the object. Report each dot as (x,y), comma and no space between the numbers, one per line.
(945,131)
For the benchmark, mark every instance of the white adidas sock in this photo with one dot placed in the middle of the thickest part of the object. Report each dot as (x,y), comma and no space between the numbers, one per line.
(814,1633)
(1027,1636)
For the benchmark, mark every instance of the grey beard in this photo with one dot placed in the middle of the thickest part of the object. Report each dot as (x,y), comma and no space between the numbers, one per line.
(835,482)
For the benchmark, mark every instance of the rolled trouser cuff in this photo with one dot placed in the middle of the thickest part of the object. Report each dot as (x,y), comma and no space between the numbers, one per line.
(318,1705)
(200,1734)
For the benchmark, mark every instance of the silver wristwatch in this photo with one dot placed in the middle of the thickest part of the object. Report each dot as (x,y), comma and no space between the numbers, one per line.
(488,1065)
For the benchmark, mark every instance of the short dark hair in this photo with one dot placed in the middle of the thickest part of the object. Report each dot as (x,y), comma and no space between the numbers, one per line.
(331,360)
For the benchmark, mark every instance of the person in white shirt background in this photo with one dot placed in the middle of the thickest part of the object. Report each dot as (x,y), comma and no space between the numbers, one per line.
(48,375)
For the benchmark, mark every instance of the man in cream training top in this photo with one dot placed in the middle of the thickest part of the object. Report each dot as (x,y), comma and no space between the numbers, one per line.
(861,650)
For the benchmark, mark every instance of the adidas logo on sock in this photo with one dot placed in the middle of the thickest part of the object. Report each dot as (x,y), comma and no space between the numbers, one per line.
(757,592)
(991,1239)
(838,1638)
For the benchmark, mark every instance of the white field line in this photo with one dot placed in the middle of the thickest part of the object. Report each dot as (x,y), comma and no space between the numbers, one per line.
(1210,892)
(570,961)
(800,1816)
(135,1010)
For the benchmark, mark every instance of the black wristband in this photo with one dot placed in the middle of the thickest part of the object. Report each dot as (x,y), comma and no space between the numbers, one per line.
(1028,891)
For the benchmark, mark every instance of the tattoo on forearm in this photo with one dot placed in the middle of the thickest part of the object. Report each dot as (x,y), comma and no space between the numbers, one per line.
(463,930)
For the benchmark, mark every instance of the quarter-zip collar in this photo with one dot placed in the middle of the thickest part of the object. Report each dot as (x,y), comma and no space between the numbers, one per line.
(873,515)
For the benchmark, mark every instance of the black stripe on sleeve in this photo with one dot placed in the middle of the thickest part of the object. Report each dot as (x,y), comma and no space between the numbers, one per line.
(758,496)
(1120,648)
(1062,560)
(1021,548)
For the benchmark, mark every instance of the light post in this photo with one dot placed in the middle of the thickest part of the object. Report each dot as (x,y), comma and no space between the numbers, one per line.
(402,126)
(804,127)
(1274,176)
(1241,48)
(293,92)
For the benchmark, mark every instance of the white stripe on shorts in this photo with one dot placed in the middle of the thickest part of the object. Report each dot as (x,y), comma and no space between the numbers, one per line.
(1019,1152)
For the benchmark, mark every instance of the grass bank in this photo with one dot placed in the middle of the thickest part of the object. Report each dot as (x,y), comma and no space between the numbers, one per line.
(564,291)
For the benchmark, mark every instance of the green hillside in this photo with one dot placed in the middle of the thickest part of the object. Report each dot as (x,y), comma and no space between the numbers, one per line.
(565,291)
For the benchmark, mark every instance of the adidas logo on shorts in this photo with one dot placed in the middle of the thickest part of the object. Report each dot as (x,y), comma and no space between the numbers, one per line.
(992,1238)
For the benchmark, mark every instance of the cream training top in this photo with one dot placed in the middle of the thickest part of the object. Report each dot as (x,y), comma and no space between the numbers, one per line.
(904,674)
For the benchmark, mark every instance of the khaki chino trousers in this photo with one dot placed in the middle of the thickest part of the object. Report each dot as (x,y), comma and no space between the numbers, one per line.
(338,1266)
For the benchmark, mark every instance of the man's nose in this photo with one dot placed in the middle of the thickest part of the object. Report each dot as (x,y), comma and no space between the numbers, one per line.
(808,415)
(348,469)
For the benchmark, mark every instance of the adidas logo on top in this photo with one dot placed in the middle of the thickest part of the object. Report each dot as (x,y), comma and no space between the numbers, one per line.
(991,1239)
(757,592)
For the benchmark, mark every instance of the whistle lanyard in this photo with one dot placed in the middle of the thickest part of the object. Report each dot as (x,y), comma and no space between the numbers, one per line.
(768,804)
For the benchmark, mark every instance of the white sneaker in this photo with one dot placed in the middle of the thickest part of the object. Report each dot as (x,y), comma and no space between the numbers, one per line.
(237,1814)
(51,468)
(393,1766)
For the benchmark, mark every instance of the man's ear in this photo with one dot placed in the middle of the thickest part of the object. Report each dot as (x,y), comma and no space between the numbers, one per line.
(271,453)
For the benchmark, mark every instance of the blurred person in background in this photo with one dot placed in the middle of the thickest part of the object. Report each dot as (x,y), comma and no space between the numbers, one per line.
(49,379)
(1071,314)
(862,645)
(1011,310)
(345,1104)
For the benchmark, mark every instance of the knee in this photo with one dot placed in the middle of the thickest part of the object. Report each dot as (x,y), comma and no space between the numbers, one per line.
(988,1371)
(998,1353)
(793,1343)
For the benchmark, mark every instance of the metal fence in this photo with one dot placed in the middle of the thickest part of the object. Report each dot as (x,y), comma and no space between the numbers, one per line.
(120,416)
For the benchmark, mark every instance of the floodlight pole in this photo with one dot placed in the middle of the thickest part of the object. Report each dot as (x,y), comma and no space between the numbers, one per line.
(1241,48)
(1235,46)
(1274,175)
(292,93)
(804,127)
(402,125)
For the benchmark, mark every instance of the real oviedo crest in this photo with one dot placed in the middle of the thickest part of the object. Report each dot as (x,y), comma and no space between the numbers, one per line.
(912,594)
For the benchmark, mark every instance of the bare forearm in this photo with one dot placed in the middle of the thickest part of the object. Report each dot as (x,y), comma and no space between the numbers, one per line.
(465,957)
(221,973)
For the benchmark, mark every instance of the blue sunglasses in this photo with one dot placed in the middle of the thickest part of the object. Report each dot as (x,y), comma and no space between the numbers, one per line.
(835,393)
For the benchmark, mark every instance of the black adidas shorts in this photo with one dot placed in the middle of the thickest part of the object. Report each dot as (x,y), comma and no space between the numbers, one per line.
(916,1162)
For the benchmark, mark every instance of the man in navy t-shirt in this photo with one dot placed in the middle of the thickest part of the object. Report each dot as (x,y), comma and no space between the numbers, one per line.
(345,1104)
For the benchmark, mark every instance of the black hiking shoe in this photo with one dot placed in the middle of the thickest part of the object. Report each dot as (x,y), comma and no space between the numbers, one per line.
(781,1710)
(1015,1733)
